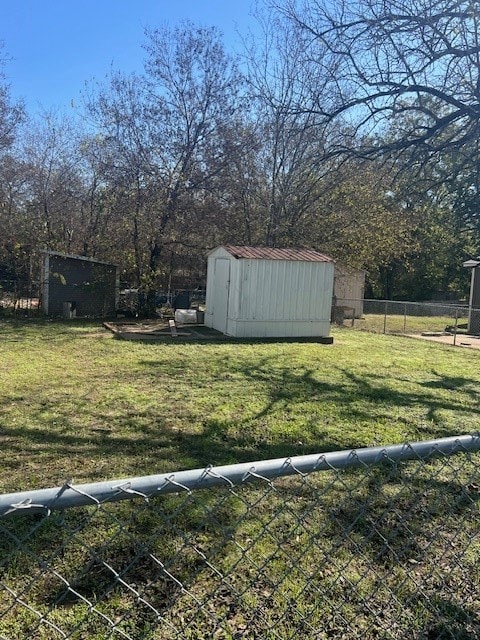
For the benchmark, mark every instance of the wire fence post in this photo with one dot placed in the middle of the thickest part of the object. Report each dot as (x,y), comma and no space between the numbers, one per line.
(405,318)
(385,317)
(455,328)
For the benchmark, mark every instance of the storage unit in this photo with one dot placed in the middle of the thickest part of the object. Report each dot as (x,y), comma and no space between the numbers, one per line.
(265,292)
(474,302)
(76,286)
(349,290)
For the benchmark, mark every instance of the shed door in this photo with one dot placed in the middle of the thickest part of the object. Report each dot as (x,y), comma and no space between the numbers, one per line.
(221,293)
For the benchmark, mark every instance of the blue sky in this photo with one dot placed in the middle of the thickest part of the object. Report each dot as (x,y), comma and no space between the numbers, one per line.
(55,46)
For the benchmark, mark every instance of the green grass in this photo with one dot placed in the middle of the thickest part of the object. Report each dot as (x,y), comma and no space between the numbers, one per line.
(76,403)
(385,552)
(378,323)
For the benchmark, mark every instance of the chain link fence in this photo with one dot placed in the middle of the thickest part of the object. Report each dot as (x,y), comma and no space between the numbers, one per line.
(390,316)
(378,543)
(19,296)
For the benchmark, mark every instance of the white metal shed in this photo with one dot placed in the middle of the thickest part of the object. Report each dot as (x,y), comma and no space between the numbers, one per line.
(262,292)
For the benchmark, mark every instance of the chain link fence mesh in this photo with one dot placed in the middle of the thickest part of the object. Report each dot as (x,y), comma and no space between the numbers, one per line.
(20,296)
(357,546)
(391,316)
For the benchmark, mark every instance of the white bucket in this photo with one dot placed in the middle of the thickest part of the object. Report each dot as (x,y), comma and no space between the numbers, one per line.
(186,316)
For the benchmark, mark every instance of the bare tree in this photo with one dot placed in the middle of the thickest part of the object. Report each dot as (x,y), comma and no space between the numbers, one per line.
(164,137)
(416,59)
(54,190)
(12,113)
(193,89)
(292,142)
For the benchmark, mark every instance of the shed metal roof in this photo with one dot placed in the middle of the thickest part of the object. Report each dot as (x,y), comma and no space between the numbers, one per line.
(272,253)
(69,256)
(473,263)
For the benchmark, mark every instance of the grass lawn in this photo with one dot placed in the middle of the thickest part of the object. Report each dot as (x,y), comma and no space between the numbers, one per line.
(77,403)
(387,552)
(399,323)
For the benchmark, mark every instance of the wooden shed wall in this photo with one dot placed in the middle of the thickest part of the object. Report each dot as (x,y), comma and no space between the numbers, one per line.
(349,289)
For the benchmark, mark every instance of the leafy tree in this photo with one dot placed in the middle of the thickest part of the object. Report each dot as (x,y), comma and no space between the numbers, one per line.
(358,221)
(16,237)
(431,263)
(12,244)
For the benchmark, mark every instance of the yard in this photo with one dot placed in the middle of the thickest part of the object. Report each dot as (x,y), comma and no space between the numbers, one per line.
(77,403)
(365,554)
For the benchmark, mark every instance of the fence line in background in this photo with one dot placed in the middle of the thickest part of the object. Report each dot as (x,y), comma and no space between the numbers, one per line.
(380,542)
(394,316)
(19,296)
(402,307)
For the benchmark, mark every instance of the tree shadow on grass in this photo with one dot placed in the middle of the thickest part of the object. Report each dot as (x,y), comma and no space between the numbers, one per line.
(180,547)
(409,528)
(138,442)
(391,538)
(359,398)
(385,395)
(144,440)
(453,383)
(157,448)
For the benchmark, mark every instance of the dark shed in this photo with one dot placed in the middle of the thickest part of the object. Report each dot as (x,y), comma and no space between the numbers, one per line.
(76,285)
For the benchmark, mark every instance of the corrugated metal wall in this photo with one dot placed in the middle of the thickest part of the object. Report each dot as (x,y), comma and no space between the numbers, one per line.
(274,290)
(273,298)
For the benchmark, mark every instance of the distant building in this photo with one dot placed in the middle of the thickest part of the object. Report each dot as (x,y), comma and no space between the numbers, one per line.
(349,290)
(267,292)
(78,286)
(474,303)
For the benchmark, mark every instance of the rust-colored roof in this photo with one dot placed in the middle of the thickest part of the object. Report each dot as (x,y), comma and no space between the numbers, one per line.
(271,253)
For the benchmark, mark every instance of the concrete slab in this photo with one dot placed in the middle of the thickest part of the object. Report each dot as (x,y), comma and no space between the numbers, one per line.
(460,340)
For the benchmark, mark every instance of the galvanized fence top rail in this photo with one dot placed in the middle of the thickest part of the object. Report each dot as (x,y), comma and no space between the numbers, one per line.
(430,308)
(71,495)
(380,543)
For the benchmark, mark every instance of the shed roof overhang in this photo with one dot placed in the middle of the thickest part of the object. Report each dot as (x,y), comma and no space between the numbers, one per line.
(273,253)
(473,263)
(69,256)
